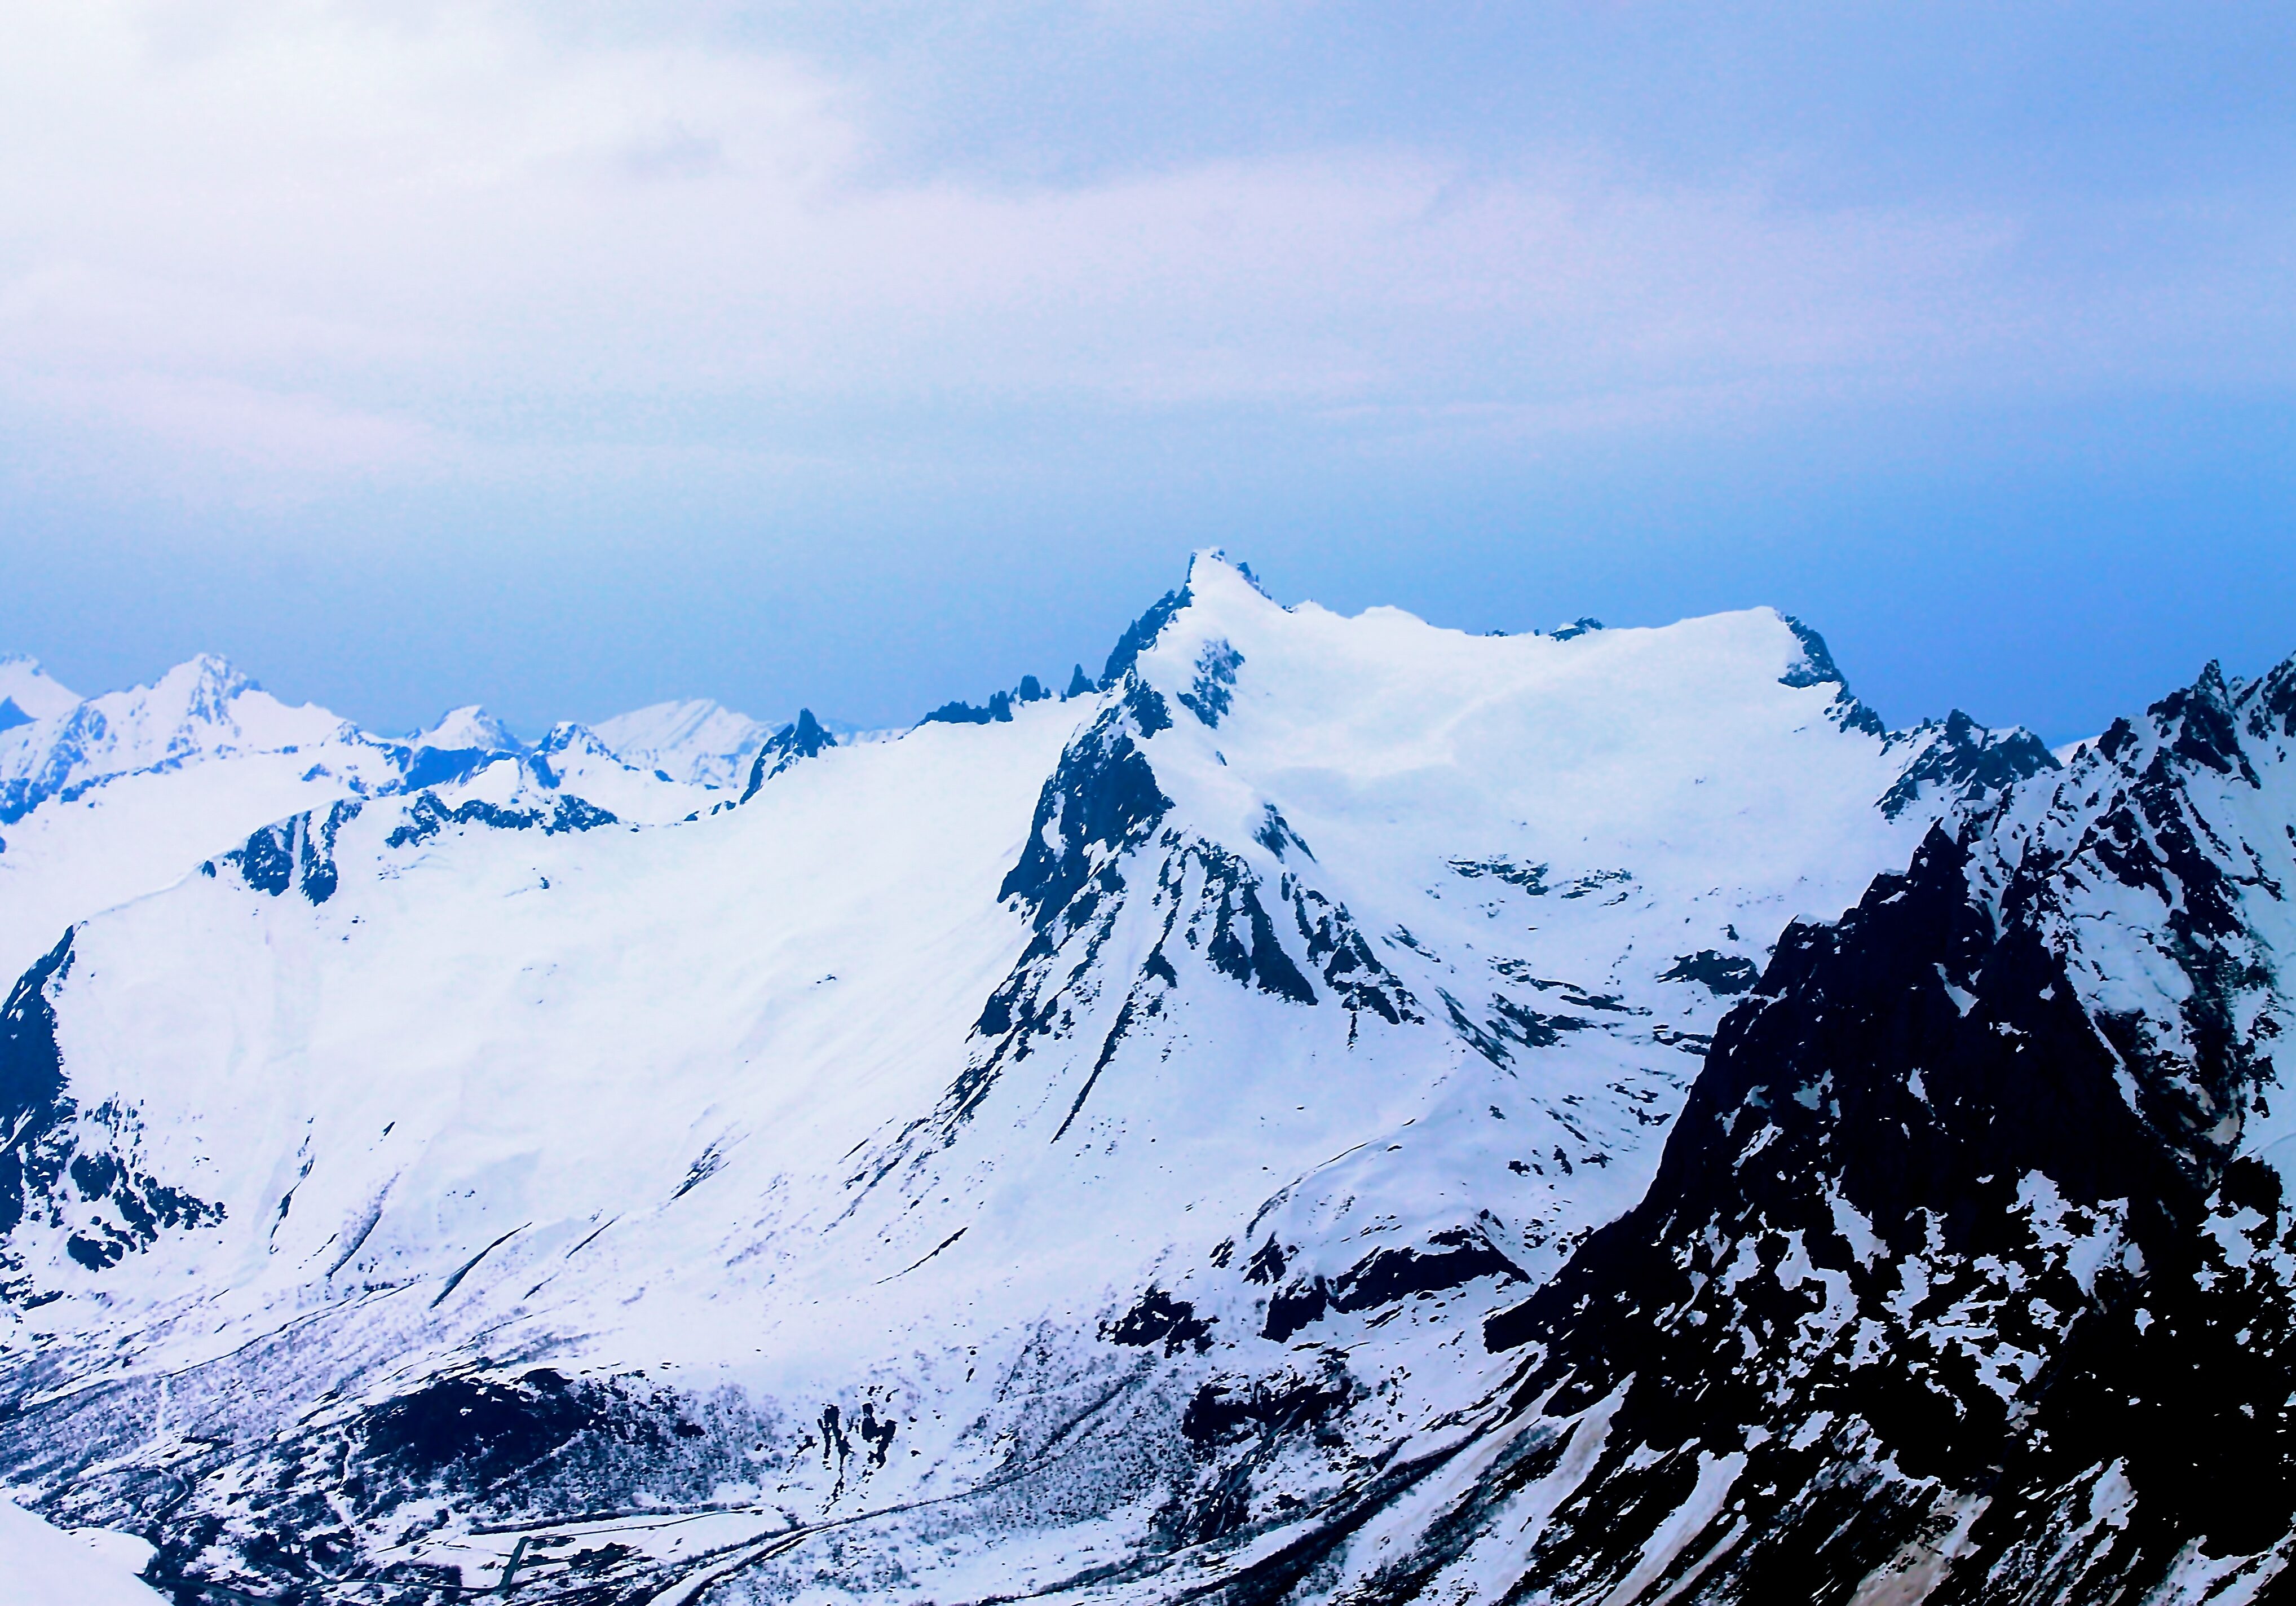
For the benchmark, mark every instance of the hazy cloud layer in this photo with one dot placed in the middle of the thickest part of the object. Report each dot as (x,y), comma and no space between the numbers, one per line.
(310,243)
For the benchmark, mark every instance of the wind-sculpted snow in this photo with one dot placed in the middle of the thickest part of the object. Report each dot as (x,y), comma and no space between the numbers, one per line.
(1083,1152)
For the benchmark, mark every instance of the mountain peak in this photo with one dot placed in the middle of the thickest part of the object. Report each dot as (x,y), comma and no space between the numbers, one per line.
(1211,565)
(33,692)
(1817,667)
(469,728)
(1212,572)
(1962,759)
(1206,559)
(694,739)
(206,683)
(1352,1079)
(805,739)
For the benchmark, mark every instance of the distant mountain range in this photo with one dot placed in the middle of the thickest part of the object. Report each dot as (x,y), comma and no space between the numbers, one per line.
(105,799)
(1329,1109)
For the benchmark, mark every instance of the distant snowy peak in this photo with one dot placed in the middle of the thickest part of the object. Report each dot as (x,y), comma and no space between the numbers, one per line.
(468,729)
(27,692)
(204,688)
(118,797)
(570,738)
(200,709)
(464,741)
(698,741)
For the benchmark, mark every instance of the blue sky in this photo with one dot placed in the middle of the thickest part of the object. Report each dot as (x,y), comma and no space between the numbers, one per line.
(572,358)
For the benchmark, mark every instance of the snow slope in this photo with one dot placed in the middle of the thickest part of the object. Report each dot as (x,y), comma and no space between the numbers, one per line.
(571,758)
(46,1566)
(1091,1139)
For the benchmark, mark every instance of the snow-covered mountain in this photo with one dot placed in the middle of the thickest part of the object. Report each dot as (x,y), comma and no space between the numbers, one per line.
(107,799)
(698,741)
(111,798)
(1967,1274)
(1344,1110)
(27,692)
(469,729)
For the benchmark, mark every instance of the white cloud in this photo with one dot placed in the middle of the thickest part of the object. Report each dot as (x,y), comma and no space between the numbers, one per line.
(313,239)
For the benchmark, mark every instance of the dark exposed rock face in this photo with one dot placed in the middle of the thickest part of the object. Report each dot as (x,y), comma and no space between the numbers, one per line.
(300,851)
(427,817)
(792,744)
(1718,972)
(998,710)
(31,1075)
(1141,635)
(1101,799)
(1452,1258)
(1903,1179)
(1214,690)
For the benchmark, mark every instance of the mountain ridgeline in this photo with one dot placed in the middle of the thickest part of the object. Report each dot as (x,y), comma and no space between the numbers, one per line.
(1333,1109)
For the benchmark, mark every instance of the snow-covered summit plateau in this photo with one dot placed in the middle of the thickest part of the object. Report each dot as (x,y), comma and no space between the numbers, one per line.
(1336,1109)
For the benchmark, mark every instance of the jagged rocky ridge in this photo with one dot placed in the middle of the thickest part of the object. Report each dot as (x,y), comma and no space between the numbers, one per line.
(801,740)
(1205,1140)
